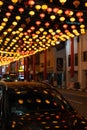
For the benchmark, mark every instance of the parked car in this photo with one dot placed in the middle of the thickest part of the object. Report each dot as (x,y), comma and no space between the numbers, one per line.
(9,77)
(36,106)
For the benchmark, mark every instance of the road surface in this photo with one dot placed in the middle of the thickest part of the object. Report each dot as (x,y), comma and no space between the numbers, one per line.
(77,99)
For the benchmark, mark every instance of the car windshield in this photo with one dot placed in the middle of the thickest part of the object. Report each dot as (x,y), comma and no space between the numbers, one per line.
(36,99)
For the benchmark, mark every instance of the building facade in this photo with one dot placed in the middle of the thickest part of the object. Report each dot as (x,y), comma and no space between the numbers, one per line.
(79,58)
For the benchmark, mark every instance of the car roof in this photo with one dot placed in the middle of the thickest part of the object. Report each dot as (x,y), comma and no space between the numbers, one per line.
(20,84)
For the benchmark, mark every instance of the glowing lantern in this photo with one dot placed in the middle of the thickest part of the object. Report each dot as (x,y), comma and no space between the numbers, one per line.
(44,7)
(58,31)
(71,13)
(79,14)
(14,23)
(10,7)
(42,15)
(65,26)
(66,31)
(49,10)
(32,13)
(62,19)
(8,14)
(1,3)
(32,28)
(31,2)
(85,4)
(38,7)
(55,10)
(60,11)
(18,18)
(72,19)
(82,26)
(47,24)
(76,3)
(81,19)
(38,22)
(52,17)
(41,29)
(14,1)
(62,1)
(5,19)
(67,12)
(21,10)
(29,31)
(73,26)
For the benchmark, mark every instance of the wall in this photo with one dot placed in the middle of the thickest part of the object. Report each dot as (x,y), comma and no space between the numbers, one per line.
(81,69)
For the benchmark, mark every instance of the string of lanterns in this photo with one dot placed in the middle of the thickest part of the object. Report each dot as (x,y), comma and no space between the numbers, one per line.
(30,26)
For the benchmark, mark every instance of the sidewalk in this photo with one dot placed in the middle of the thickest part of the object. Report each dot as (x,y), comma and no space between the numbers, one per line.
(73,91)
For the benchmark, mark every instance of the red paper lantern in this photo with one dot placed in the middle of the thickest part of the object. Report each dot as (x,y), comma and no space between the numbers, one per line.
(38,22)
(42,15)
(21,10)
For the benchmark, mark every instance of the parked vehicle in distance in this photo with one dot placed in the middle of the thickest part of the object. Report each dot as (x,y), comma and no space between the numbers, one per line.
(9,77)
(36,106)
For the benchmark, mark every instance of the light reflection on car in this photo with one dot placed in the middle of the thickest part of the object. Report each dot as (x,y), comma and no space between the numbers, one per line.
(37,106)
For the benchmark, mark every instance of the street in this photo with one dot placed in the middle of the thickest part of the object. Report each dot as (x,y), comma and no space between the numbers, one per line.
(77,99)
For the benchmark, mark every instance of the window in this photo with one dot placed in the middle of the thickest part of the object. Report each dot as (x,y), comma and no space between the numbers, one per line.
(76,59)
(85,56)
(69,60)
(59,64)
(37,57)
(36,100)
(48,62)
